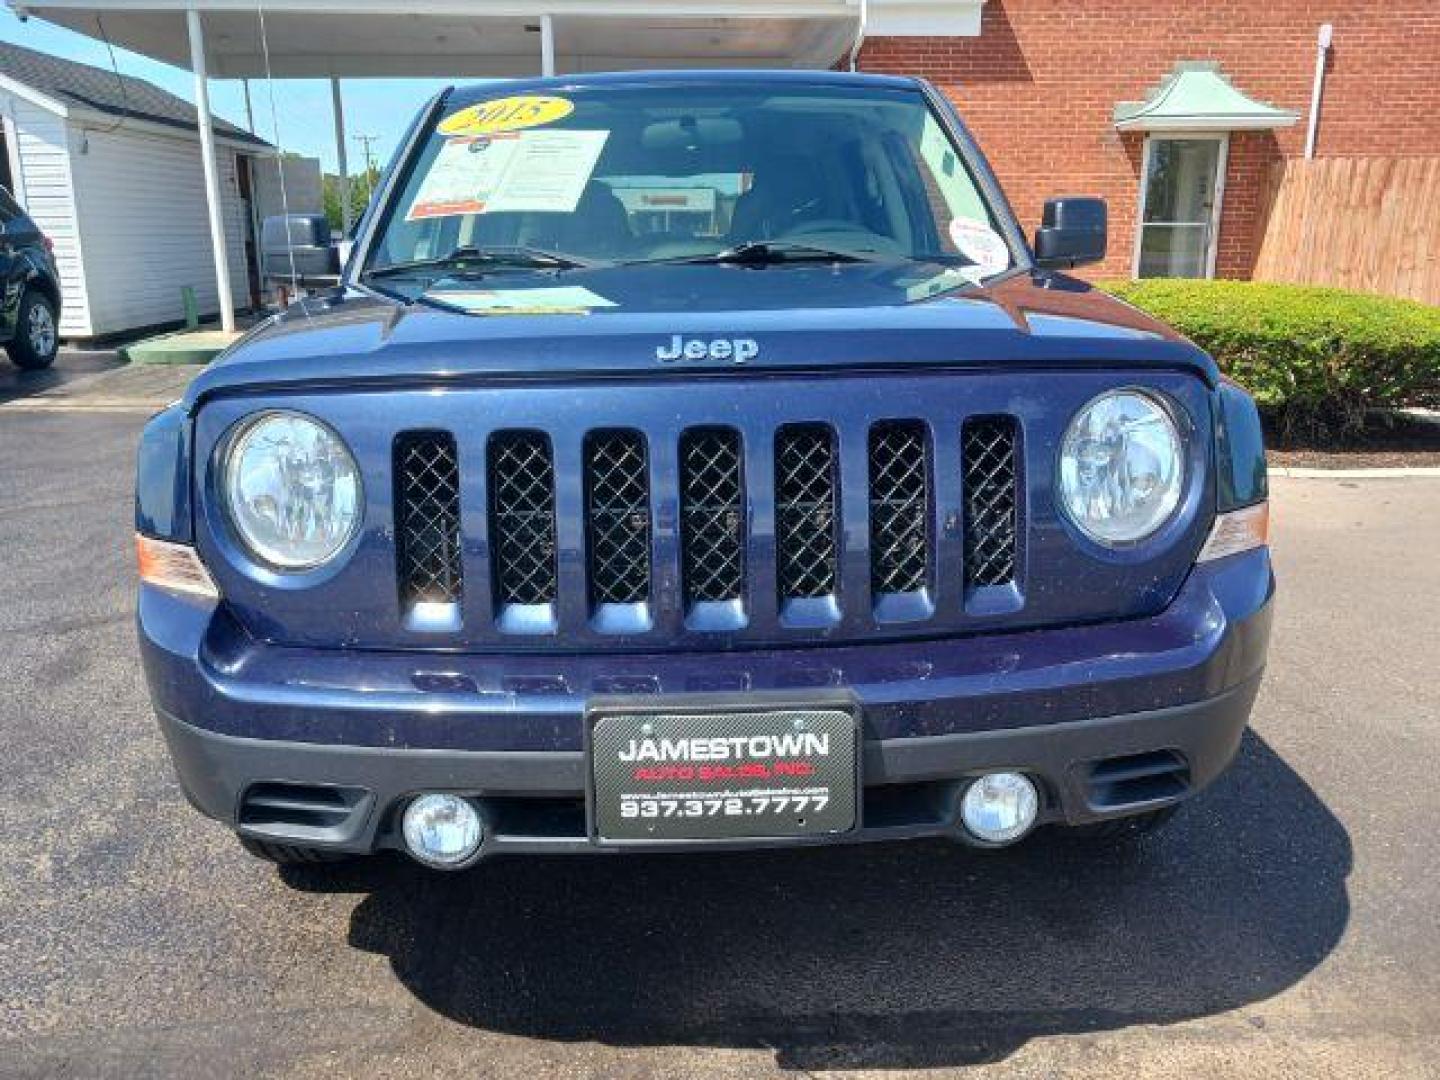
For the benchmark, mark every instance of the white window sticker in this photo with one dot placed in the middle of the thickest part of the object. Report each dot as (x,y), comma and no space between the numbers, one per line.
(556,300)
(537,170)
(980,244)
(549,170)
(462,178)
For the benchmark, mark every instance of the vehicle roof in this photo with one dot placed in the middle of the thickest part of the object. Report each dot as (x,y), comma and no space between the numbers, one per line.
(705,77)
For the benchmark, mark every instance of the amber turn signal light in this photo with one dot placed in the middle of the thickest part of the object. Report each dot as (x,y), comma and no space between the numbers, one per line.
(1237,531)
(173,566)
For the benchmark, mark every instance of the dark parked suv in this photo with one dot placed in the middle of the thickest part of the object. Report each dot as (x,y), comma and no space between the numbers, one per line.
(695,462)
(30,311)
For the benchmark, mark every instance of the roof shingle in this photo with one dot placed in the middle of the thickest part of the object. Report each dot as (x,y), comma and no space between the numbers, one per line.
(99,89)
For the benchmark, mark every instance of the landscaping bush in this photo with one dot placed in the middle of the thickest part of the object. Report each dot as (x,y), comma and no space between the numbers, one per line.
(1315,358)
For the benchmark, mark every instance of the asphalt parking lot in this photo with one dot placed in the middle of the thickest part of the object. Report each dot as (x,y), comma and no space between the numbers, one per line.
(1284,925)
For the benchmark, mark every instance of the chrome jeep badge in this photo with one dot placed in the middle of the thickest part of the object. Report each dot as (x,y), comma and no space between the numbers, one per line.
(736,350)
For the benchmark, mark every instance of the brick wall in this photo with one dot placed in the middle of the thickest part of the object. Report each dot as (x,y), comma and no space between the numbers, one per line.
(1038,85)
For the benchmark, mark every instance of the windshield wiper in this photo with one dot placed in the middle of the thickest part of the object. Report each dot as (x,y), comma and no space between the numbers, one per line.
(484,258)
(768,253)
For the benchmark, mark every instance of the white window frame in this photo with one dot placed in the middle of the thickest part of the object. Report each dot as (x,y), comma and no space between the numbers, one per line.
(12,150)
(1222,163)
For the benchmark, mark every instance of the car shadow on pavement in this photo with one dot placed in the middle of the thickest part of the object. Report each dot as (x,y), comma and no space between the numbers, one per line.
(886,956)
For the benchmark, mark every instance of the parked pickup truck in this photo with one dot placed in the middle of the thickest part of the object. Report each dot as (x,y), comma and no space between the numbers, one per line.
(696,462)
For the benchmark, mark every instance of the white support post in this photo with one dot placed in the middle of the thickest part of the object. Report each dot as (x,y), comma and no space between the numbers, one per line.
(249,112)
(547,45)
(338,107)
(1312,125)
(12,153)
(212,172)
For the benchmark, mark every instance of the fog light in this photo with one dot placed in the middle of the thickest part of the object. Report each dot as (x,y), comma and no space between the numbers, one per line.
(1000,807)
(444,831)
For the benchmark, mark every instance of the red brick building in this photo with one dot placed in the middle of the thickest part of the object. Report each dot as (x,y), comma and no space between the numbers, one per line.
(1040,84)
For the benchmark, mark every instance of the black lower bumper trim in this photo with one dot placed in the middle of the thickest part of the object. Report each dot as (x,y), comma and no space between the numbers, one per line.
(910,784)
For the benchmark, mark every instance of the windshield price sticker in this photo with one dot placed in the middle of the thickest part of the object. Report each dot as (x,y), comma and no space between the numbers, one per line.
(542,171)
(555,300)
(982,245)
(507,114)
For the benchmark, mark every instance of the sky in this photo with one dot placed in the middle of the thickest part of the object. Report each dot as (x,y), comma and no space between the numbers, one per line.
(379,107)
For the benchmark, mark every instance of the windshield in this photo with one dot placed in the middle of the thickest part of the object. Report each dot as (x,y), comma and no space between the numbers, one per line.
(602,175)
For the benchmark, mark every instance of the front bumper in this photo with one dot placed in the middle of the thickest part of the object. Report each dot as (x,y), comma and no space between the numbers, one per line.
(1074,707)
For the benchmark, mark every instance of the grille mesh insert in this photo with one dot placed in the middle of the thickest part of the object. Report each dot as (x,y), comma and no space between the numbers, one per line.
(899,507)
(989,462)
(617,493)
(522,517)
(427,517)
(712,515)
(805,511)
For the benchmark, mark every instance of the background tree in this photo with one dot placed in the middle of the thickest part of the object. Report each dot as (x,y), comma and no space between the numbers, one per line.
(362,185)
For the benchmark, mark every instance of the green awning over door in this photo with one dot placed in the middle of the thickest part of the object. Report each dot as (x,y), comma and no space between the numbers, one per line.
(1196,96)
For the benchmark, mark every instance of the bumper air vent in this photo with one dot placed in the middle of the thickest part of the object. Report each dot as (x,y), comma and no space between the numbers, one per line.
(1138,778)
(302,811)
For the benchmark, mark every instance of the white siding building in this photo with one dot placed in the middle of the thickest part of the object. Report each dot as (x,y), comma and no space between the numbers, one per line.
(110,170)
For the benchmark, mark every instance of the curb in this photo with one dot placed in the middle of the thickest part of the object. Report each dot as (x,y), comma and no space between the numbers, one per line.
(178,347)
(1398,473)
(22,405)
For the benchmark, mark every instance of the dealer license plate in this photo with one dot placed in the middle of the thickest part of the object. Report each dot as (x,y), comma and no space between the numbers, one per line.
(718,776)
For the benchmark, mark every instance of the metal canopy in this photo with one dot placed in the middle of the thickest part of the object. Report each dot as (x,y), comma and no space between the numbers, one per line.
(1196,95)
(468,39)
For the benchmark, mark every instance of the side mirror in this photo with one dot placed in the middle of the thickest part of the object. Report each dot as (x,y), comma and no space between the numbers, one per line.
(1073,231)
(299,245)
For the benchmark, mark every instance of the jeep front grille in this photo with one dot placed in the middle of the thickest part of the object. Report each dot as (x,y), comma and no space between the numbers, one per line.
(427,518)
(991,532)
(712,515)
(522,518)
(617,500)
(627,533)
(806,510)
(900,542)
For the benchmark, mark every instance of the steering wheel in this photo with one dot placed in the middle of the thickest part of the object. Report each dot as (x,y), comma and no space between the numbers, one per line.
(851,236)
(820,225)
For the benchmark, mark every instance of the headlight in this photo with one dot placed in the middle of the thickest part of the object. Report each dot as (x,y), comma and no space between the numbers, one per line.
(293,490)
(1121,467)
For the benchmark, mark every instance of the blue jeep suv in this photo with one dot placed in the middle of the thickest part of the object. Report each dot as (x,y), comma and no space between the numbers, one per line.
(694,462)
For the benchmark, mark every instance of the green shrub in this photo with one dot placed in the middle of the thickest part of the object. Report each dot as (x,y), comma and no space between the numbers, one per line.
(1315,358)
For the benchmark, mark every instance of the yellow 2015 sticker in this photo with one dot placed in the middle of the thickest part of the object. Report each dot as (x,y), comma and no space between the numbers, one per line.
(506,114)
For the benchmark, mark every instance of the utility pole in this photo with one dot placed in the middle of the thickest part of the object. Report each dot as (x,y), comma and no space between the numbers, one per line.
(368,142)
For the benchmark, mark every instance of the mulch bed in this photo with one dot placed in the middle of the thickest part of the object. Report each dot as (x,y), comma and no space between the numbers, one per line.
(1386,442)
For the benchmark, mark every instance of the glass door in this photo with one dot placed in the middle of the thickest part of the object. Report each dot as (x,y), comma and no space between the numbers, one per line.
(1180,194)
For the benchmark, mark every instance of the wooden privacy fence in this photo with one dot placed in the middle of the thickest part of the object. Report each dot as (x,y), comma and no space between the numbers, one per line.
(1370,224)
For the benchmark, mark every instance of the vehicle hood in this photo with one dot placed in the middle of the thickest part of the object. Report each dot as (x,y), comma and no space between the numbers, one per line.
(610,322)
